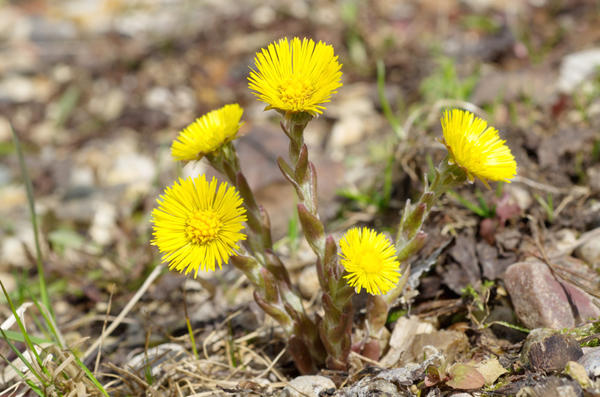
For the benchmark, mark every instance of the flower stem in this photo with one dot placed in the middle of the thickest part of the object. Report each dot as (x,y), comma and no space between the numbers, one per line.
(336,326)
(273,290)
(410,238)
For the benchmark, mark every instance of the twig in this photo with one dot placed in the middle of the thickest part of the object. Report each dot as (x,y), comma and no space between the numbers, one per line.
(575,190)
(270,367)
(102,333)
(149,280)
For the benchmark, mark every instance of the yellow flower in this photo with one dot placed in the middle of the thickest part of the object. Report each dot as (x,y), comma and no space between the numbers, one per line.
(476,147)
(197,224)
(295,77)
(370,259)
(208,133)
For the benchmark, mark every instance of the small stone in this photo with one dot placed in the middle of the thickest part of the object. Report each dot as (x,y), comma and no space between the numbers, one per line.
(308,386)
(8,281)
(547,350)
(133,169)
(17,89)
(263,16)
(539,300)
(12,196)
(578,67)
(563,243)
(347,131)
(593,176)
(158,98)
(108,106)
(590,252)
(308,282)
(381,387)
(591,362)
(104,224)
(81,176)
(552,386)
(14,248)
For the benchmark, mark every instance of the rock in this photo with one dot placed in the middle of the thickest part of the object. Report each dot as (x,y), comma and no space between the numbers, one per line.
(591,362)
(407,375)
(132,169)
(593,176)
(381,387)
(347,131)
(563,242)
(539,300)
(81,176)
(8,281)
(521,196)
(108,105)
(14,248)
(12,197)
(551,387)
(589,252)
(17,89)
(308,282)
(104,224)
(547,350)
(570,271)
(576,68)
(308,386)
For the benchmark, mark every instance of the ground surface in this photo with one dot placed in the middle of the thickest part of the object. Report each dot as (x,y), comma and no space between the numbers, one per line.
(97,90)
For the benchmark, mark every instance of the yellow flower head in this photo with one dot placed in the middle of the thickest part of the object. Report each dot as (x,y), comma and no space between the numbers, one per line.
(208,133)
(370,259)
(197,224)
(295,77)
(476,147)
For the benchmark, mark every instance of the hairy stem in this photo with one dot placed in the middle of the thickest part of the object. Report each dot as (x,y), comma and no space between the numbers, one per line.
(267,273)
(410,238)
(335,328)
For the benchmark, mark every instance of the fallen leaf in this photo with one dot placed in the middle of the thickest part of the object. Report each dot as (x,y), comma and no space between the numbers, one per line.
(465,377)
(491,370)
(578,373)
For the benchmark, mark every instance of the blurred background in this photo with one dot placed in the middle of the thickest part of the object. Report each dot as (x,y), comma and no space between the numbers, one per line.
(97,90)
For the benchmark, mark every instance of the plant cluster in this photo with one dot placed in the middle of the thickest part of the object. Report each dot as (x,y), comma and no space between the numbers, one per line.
(201,224)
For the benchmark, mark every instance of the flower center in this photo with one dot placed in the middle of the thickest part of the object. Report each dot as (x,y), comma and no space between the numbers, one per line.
(369,261)
(295,93)
(203,227)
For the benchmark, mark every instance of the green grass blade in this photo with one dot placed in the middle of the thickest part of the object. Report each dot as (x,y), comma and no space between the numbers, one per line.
(30,200)
(90,375)
(387,184)
(474,208)
(385,105)
(18,337)
(50,325)
(29,383)
(23,359)
(27,339)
